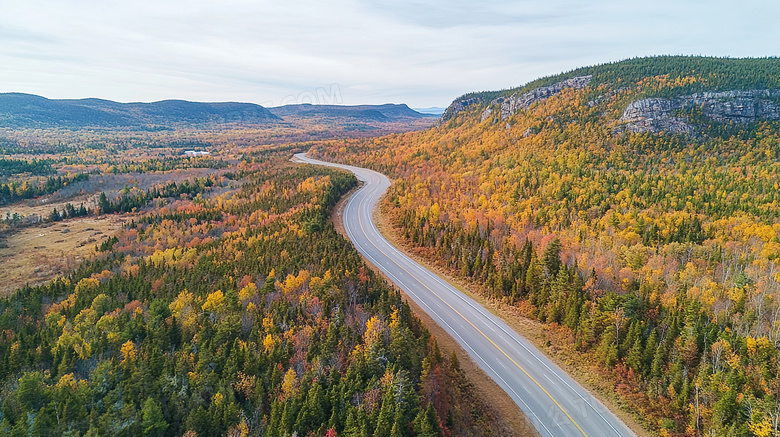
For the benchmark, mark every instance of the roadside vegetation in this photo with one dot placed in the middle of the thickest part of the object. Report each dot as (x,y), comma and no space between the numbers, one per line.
(655,256)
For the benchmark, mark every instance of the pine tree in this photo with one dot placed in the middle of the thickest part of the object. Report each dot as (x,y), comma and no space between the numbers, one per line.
(153,423)
(608,352)
(649,352)
(386,418)
(634,357)
(426,424)
(103,204)
(659,362)
(552,257)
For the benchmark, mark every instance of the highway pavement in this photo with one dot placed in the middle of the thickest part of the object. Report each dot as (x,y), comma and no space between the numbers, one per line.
(553,402)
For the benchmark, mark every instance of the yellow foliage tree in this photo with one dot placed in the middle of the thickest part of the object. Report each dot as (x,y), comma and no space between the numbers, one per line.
(247,293)
(214,302)
(87,284)
(376,330)
(128,352)
(289,383)
(268,343)
(761,428)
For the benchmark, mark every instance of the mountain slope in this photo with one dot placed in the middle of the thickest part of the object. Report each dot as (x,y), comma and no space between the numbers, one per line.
(711,74)
(634,208)
(25,110)
(384,112)
(29,111)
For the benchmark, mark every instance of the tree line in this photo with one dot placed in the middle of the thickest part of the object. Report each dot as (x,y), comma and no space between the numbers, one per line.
(15,191)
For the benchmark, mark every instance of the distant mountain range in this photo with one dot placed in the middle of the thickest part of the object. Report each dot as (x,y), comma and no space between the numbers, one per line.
(383,113)
(19,110)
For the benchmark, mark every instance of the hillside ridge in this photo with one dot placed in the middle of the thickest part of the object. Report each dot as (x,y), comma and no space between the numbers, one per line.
(27,110)
(387,111)
(19,110)
(685,78)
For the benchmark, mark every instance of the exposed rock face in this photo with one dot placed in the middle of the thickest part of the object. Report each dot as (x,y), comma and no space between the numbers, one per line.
(656,114)
(486,113)
(457,106)
(515,102)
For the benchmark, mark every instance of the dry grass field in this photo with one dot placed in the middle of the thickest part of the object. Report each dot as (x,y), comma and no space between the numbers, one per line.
(43,207)
(39,254)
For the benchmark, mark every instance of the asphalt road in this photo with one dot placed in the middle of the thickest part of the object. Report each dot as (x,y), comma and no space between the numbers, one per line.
(554,403)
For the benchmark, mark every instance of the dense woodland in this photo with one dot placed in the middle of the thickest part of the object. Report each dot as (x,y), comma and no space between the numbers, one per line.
(229,312)
(656,256)
(39,167)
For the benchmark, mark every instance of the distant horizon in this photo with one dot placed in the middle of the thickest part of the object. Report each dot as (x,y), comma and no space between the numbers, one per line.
(321,96)
(228,101)
(332,96)
(350,52)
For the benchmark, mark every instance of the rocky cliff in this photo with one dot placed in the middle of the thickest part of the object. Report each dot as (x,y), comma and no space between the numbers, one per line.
(459,105)
(660,114)
(516,102)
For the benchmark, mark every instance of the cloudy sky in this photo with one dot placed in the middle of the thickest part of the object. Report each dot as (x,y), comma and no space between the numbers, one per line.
(423,53)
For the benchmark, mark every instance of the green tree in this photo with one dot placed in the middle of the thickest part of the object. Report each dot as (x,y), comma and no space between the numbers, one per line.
(32,392)
(426,424)
(153,423)
(552,257)
(103,204)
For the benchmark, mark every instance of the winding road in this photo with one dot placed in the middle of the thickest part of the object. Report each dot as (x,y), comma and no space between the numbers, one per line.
(554,403)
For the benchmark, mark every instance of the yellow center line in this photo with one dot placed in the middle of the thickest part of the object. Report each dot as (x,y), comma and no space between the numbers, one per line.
(475,327)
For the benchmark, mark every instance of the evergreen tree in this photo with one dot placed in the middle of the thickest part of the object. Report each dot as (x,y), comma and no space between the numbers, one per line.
(153,422)
(552,257)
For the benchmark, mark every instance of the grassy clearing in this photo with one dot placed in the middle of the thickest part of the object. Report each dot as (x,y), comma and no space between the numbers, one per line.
(43,207)
(39,254)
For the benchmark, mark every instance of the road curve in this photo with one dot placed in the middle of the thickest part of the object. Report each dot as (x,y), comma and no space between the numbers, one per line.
(554,403)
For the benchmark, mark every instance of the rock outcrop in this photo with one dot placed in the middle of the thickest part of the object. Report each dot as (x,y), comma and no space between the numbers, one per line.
(457,106)
(516,102)
(486,113)
(658,114)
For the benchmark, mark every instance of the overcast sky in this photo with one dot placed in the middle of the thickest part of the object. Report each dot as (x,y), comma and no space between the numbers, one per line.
(349,51)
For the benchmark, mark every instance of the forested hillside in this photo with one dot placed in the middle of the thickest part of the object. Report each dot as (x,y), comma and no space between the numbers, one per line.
(232,312)
(19,112)
(675,76)
(655,252)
